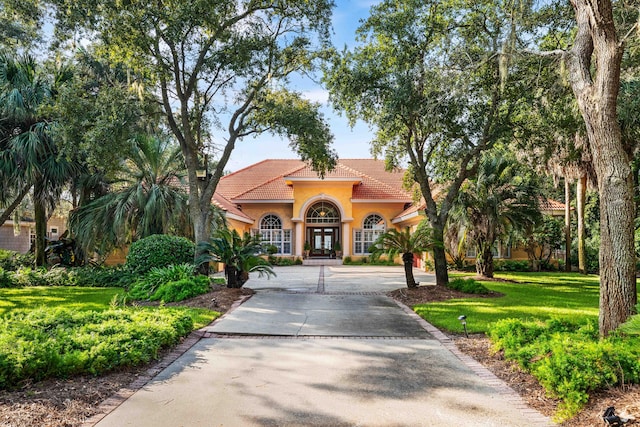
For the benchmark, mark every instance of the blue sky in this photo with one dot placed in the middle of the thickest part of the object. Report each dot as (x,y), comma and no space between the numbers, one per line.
(349,143)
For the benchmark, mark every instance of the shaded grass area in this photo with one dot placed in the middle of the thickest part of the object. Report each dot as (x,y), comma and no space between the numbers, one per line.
(81,299)
(526,296)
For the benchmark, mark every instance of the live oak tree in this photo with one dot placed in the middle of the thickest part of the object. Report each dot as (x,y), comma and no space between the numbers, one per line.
(594,70)
(220,69)
(431,77)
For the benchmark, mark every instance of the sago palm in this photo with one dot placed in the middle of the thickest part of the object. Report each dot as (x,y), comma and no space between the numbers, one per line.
(394,242)
(239,254)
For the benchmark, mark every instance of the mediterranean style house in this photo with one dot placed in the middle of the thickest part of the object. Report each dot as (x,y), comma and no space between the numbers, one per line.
(301,214)
(291,207)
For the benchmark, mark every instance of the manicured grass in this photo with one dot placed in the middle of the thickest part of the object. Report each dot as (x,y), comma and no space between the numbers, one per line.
(79,299)
(535,295)
(74,298)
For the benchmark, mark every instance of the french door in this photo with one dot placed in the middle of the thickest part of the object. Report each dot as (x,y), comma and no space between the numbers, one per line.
(322,240)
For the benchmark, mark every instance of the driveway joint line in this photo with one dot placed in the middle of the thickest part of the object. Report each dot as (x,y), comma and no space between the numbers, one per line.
(320,289)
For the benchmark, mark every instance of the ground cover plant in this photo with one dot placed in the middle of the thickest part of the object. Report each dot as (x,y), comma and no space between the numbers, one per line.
(547,323)
(86,276)
(44,343)
(62,331)
(568,358)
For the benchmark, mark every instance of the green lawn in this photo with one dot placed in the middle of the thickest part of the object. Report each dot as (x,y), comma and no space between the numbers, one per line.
(77,298)
(535,295)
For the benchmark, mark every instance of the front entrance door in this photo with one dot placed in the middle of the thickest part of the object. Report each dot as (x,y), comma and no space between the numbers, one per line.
(322,240)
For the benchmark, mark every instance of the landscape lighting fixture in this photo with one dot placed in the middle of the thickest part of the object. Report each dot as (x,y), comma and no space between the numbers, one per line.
(463,320)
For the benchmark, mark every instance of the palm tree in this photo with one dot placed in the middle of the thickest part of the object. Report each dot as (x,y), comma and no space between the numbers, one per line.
(30,157)
(148,198)
(501,198)
(394,242)
(238,254)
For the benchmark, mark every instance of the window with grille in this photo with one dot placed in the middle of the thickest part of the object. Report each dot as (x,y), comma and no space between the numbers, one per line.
(372,227)
(272,233)
(322,213)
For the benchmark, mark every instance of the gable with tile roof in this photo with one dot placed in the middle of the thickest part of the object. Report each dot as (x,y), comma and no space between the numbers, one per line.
(289,204)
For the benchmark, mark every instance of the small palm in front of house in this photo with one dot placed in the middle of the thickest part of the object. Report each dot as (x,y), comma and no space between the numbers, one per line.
(240,256)
(394,242)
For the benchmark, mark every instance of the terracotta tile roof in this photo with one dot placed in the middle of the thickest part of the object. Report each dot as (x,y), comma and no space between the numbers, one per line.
(551,205)
(220,201)
(251,177)
(266,180)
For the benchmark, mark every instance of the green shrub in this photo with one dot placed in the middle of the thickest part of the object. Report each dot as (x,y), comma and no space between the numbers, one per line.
(280,261)
(102,277)
(11,260)
(511,265)
(147,286)
(568,358)
(159,250)
(6,279)
(346,260)
(59,276)
(182,289)
(298,261)
(468,286)
(46,343)
(27,276)
(632,325)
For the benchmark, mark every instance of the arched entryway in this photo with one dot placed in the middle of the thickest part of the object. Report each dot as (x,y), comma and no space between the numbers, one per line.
(322,222)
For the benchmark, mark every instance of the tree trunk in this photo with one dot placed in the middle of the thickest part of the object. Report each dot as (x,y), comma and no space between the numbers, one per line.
(407,260)
(596,52)
(484,262)
(581,192)
(567,224)
(440,256)
(40,215)
(232,276)
(201,233)
(6,214)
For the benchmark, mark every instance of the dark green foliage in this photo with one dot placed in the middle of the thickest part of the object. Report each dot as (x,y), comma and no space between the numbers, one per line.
(147,285)
(159,250)
(6,279)
(239,254)
(57,343)
(61,276)
(568,358)
(632,325)
(10,260)
(101,277)
(182,289)
(468,286)
(511,265)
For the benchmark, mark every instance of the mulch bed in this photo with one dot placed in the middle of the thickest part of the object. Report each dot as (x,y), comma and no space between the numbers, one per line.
(67,403)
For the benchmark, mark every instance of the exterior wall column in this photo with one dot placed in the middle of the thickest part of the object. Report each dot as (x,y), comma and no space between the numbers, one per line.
(346,239)
(299,243)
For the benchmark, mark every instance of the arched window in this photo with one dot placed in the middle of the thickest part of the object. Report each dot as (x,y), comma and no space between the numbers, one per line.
(372,227)
(272,233)
(322,213)
(271,222)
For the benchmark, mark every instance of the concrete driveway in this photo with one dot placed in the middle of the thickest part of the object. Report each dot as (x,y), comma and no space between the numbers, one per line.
(294,355)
